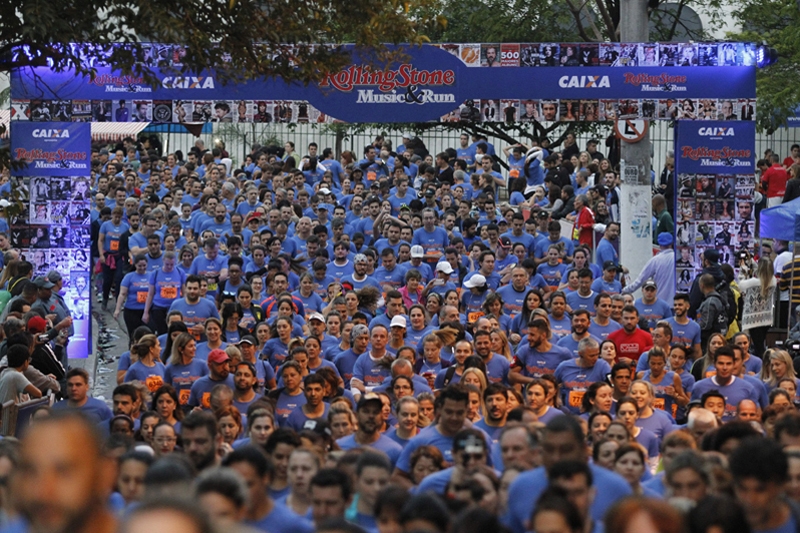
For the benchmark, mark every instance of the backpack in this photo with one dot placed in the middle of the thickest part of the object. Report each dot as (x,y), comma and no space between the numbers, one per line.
(728,302)
(721,323)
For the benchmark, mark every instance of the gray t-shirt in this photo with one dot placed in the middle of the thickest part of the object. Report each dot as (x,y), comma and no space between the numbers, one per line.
(12,384)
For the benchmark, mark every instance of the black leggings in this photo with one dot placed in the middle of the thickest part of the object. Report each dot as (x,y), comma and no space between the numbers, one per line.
(133,319)
(158,319)
(112,277)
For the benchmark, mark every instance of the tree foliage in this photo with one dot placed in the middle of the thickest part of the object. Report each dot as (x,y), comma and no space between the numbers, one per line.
(776,22)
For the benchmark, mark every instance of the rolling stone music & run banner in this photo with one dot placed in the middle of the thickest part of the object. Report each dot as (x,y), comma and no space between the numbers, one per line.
(53,229)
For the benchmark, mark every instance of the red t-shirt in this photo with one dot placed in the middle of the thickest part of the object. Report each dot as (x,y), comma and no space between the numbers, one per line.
(773,181)
(631,345)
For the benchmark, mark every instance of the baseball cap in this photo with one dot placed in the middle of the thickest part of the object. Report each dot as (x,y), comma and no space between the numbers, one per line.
(325,191)
(316,316)
(475,281)
(360,258)
(444,266)
(543,214)
(610,265)
(504,242)
(218,356)
(398,322)
(408,135)
(54,276)
(369,397)
(417,251)
(4,203)
(664,239)
(320,427)
(711,255)
(650,283)
(42,282)
(248,339)
(37,324)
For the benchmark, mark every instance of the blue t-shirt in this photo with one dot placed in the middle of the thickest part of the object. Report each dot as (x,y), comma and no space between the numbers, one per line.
(93,408)
(383,444)
(203,350)
(428,436)
(552,274)
(152,376)
(512,299)
(536,363)
(544,244)
(167,287)
(497,369)
(200,393)
(602,332)
(286,404)
(653,312)
(433,242)
(367,370)
(182,377)
(282,520)
(112,234)
(209,269)
(560,326)
(575,301)
(138,286)
(568,342)
(609,287)
(297,418)
(686,334)
(575,380)
(660,423)
(196,313)
(734,392)
(649,442)
(276,352)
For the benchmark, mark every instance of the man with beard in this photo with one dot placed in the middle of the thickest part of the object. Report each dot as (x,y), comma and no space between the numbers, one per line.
(497,366)
(575,375)
(580,330)
(631,342)
(370,419)
(495,399)
(540,356)
(314,408)
(201,440)
(602,325)
(218,374)
(194,309)
(359,278)
(64,488)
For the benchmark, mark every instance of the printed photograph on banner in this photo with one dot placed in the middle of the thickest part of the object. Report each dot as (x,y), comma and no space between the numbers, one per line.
(283,111)
(20,109)
(81,237)
(101,111)
(470,111)
(569,56)
(590,54)
(162,111)
(745,185)
(79,281)
(746,54)
(744,209)
(684,257)
(21,218)
(608,110)
(687,109)
(451,48)
(569,110)
(222,112)
(727,255)
(667,54)
(39,213)
(706,210)
(723,235)
(81,189)
(648,108)
(628,55)
(60,188)
(727,54)
(58,214)
(509,55)
(39,189)
(726,185)
(122,110)
(162,55)
(550,110)
(686,210)
(727,110)
(40,111)
(471,55)
(302,112)
(698,254)
(59,235)
(40,259)
(683,279)
(745,234)
(684,234)
(704,233)
(668,109)
(202,111)
(61,110)
(708,54)
(706,186)
(315,115)
(490,110)
(244,111)
(549,54)
(80,213)
(142,111)
(263,111)
(530,110)
(529,55)
(182,111)
(510,110)
(708,109)
(648,55)
(687,55)
(609,54)
(81,111)
(747,109)
(589,111)
(490,55)
(80,308)
(178,54)
(40,237)
(61,259)
(81,259)
(20,237)
(452,116)
(629,109)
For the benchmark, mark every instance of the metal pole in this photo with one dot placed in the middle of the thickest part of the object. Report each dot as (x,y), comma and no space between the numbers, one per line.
(635,186)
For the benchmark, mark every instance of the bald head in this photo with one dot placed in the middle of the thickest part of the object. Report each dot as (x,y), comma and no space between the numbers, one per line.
(748,411)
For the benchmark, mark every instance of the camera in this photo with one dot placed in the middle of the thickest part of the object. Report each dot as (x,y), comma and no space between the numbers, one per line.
(43,338)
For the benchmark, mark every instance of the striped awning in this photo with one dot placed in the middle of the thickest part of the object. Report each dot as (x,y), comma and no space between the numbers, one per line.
(116,131)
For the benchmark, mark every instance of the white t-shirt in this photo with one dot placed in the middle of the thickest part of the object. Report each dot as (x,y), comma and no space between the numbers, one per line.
(12,384)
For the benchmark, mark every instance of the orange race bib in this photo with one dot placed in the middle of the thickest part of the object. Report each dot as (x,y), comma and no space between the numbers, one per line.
(473,317)
(113,246)
(169,293)
(371,176)
(205,401)
(183,396)
(141,297)
(576,398)
(659,403)
(153,383)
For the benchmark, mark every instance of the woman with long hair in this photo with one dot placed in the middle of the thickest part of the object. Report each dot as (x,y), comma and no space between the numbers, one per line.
(260,425)
(705,364)
(290,396)
(500,344)
(628,414)
(417,329)
(777,366)
(630,462)
(213,329)
(166,404)
(229,424)
(183,368)
(765,280)
(276,349)
(599,397)
(519,324)
(232,332)
(655,420)
(493,305)
(536,397)
(133,293)
(146,366)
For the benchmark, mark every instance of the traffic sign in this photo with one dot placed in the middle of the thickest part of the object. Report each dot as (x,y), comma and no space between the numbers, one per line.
(631,130)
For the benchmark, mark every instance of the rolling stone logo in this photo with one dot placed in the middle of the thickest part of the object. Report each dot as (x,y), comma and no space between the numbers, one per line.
(414,82)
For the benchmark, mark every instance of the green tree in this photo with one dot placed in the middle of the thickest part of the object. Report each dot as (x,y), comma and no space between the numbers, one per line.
(776,22)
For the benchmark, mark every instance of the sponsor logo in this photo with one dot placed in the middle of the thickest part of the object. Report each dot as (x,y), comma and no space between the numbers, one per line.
(405,77)
(716,132)
(582,82)
(725,156)
(121,84)
(655,82)
(59,157)
(50,134)
(424,96)
(188,82)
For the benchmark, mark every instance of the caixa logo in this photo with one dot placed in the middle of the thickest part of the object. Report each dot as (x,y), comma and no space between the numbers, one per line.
(716,132)
(50,134)
(188,82)
(581,82)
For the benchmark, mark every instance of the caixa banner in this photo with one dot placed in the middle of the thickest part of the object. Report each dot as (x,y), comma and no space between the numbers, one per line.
(545,82)
(715,147)
(51,148)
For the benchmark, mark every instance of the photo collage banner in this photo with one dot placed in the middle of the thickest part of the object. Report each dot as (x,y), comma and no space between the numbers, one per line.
(53,229)
(715,169)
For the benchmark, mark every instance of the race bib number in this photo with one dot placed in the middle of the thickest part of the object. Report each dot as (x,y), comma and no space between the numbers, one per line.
(576,398)
(659,403)
(169,293)
(113,246)
(141,297)
(183,396)
(371,176)
(473,317)
(153,383)
(205,401)
(212,287)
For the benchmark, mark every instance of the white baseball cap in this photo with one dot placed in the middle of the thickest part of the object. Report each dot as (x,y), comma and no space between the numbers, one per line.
(475,281)
(398,321)
(445,267)
(417,251)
